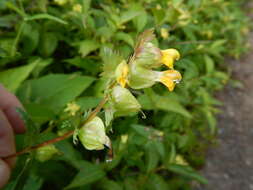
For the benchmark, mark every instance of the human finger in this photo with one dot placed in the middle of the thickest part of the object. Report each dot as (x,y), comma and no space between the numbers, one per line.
(9,103)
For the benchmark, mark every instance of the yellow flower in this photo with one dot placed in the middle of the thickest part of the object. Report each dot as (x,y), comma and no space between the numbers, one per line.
(169,78)
(164,33)
(72,108)
(180,160)
(169,56)
(77,8)
(122,73)
(61,2)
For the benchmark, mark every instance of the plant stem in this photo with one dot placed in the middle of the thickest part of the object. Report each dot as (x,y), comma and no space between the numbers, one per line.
(66,135)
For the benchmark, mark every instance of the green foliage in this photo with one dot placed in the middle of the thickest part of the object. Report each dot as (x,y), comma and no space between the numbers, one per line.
(51,53)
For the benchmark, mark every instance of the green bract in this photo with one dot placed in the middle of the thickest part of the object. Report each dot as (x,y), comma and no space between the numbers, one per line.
(140,77)
(124,103)
(46,153)
(92,135)
(149,56)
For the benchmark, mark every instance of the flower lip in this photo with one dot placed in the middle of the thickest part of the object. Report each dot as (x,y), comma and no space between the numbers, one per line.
(169,78)
(169,56)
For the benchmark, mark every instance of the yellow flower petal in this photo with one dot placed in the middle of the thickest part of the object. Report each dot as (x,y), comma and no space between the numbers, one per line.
(77,8)
(72,108)
(169,56)
(122,73)
(169,78)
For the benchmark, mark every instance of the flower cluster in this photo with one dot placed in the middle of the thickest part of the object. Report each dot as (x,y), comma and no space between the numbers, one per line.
(138,73)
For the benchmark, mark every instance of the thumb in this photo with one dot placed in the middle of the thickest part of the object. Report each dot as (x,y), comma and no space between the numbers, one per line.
(4,173)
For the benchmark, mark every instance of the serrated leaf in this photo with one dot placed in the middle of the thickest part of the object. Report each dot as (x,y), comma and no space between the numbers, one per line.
(111,60)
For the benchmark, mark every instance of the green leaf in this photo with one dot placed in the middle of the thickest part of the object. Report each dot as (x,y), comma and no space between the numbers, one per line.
(156,182)
(128,15)
(125,37)
(33,182)
(48,43)
(39,113)
(153,101)
(87,46)
(107,184)
(140,21)
(152,156)
(187,172)
(88,102)
(45,16)
(12,78)
(70,154)
(54,90)
(209,64)
(32,129)
(89,173)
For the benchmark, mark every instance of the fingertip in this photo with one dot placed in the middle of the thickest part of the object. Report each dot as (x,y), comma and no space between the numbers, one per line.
(4,173)
(15,120)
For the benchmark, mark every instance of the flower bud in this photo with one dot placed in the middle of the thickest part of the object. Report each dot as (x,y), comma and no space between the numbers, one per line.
(46,153)
(121,73)
(164,33)
(140,77)
(92,135)
(124,102)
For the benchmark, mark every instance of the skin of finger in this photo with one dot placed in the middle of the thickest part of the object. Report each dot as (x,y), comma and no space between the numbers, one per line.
(7,141)
(9,103)
(4,173)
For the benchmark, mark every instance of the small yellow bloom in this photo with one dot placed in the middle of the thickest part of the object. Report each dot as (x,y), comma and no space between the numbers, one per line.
(124,138)
(164,33)
(61,2)
(122,73)
(169,56)
(169,78)
(180,160)
(158,7)
(77,8)
(72,108)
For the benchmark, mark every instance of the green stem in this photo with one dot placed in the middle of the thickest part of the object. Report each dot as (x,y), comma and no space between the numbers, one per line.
(15,44)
